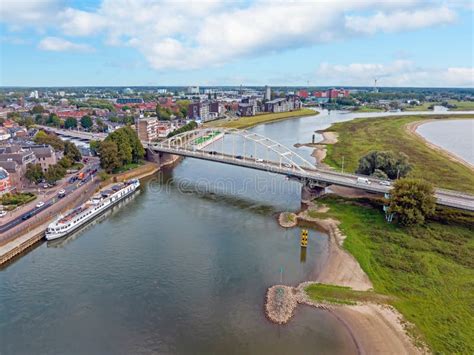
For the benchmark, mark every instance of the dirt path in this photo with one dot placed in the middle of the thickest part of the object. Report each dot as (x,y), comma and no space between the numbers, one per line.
(411,130)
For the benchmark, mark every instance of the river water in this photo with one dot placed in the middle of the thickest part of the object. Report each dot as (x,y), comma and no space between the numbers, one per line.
(456,136)
(180,267)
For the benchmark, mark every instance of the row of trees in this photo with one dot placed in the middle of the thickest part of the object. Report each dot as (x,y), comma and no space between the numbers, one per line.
(34,172)
(384,164)
(187,127)
(120,148)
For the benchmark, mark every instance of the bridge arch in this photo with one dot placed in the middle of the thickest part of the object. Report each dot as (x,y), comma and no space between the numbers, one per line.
(187,141)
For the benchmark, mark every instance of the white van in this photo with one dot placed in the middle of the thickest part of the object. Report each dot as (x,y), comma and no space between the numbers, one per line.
(361,180)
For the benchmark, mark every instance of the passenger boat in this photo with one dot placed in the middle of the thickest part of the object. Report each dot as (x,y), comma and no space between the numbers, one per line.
(99,203)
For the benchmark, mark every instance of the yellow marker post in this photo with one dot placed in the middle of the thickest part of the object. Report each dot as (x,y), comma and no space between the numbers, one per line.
(304,238)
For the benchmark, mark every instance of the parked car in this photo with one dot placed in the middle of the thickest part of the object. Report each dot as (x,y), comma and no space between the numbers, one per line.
(385,183)
(3,213)
(40,204)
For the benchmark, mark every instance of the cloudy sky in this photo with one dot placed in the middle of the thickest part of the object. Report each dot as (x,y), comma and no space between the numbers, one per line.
(178,42)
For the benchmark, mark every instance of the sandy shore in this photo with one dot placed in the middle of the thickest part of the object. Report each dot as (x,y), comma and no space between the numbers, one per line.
(413,126)
(320,151)
(375,328)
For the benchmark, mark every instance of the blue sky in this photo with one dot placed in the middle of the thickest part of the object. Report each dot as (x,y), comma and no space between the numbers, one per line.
(148,42)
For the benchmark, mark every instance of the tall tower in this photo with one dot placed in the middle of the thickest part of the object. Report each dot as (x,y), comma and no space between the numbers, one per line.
(268,93)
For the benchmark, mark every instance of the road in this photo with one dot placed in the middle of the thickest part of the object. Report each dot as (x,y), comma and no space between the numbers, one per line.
(319,176)
(69,188)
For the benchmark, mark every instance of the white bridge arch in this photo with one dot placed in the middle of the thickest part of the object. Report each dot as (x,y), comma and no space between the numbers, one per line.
(198,139)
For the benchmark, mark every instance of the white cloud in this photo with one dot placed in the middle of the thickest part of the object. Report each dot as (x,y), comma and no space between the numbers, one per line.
(400,20)
(183,35)
(26,13)
(56,44)
(397,73)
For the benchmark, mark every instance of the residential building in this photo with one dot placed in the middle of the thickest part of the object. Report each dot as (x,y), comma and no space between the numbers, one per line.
(246,109)
(193,90)
(199,111)
(290,103)
(5,182)
(129,100)
(303,94)
(4,134)
(147,129)
(45,155)
(14,160)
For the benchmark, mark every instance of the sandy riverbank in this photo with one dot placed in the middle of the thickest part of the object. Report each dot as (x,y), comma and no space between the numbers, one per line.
(413,126)
(374,328)
(320,151)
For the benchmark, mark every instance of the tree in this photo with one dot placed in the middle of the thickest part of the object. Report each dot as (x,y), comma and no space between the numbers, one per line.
(44,138)
(70,122)
(163,113)
(109,159)
(37,109)
(72,152)
(393,165)
(412,200)
(65,162)
(54,173)
(94,146)
(53,120)
(86,122)
(34,173)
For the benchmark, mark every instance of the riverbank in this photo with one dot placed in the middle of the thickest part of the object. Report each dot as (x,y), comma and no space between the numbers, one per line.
(360,136)
(251,121)
(417,267)
(412,127)
(374,326)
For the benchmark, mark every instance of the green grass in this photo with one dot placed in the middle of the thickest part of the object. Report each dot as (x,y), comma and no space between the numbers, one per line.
(17,199)
(128,167)
(423,107)
(427,270)
(341,295)
(360,136)
(368,109)
(246,122)
(462,105)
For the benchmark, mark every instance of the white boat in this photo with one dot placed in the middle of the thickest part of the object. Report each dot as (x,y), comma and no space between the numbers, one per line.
(99,203)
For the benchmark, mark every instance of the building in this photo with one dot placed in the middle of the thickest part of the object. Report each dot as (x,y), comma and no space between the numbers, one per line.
(268,93)
(5,182)
(193,90)
(129,100)
(14,160)
(45,155)
(303,94)
(4,134)
(147,129)
(246,109)
(289,103)
(199,111)
(216,109)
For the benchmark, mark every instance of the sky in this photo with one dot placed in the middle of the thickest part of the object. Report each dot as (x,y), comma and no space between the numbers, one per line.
(418,43)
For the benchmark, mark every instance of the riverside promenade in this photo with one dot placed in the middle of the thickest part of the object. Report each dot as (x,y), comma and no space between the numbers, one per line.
(23,236)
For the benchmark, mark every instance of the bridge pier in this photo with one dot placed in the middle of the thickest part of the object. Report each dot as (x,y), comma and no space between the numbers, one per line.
(311,191)
(162,159)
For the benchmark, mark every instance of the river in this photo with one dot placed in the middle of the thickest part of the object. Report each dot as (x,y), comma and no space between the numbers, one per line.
(181,267)
(456,136)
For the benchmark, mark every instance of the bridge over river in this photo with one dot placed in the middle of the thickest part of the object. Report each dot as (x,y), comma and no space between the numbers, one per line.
(254,151)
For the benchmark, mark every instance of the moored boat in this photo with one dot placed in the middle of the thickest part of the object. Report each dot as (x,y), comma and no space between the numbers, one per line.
(99,203)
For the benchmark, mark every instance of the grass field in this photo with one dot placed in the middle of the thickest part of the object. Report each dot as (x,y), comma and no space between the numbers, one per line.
(246,122)
(462,105)
(341,295)
(428,271)
(360,136)
(368,109)
(423,107)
